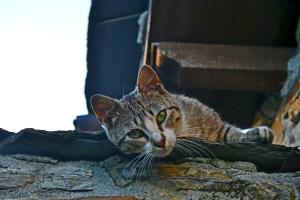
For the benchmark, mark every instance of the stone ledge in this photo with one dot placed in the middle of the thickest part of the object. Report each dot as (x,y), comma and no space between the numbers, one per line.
(193,178)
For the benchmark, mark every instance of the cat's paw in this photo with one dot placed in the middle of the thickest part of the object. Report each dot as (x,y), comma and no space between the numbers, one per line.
(261,134)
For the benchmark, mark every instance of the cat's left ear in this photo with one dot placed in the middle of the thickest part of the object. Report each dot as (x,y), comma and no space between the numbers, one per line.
(105,108)
(148,80)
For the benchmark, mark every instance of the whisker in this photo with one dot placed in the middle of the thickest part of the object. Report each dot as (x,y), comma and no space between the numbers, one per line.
(138,167)
(147,163)
(177,146)
(193,148)
(136,157)
(136,163)
(200,146)
(186,150)
(141,167)
(149,167)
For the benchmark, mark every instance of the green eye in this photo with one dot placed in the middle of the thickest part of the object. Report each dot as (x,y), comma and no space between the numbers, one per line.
(135,134)
(161,116)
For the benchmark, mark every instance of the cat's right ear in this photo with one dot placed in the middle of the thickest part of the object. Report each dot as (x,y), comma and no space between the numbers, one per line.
(105,108)
(148,80)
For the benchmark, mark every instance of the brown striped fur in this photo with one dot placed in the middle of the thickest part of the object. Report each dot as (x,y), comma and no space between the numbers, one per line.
(185,118)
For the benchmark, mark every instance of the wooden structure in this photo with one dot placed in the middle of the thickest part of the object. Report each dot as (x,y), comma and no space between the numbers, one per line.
(64,145)
(216,50)
(210,66)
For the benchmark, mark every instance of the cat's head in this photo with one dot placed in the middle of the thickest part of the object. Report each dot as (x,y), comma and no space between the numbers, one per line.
(145,120)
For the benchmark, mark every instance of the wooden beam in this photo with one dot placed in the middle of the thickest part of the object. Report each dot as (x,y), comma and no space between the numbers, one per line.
(230,67)
(225,22)
(72,145)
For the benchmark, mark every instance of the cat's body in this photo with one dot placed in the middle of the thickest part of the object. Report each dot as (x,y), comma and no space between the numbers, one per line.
(152,120)
(203,122)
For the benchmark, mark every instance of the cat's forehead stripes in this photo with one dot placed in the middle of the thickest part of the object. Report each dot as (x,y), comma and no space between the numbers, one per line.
(135,104)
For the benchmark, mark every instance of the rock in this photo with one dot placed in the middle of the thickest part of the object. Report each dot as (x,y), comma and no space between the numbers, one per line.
(67,177)
(245,166)
(117,177)
(14,174)
(191,179)
(32,158)
(231,177)
(14,178)
(192,184)
(110,162)
(267,191)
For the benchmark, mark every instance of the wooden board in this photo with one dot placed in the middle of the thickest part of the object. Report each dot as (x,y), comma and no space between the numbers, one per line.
(230,67)
(244,22)
(73,145)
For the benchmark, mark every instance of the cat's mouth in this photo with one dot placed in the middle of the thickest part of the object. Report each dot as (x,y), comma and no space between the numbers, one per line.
(163,152)
(165,146)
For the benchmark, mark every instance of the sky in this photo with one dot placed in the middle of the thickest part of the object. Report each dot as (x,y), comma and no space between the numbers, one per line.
(42,63)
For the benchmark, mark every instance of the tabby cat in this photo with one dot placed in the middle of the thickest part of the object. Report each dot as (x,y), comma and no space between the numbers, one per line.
(152,120)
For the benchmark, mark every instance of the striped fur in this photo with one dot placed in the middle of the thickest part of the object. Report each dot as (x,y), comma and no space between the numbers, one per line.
(185,118)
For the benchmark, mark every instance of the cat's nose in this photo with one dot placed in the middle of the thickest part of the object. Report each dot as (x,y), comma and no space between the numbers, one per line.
(161,143)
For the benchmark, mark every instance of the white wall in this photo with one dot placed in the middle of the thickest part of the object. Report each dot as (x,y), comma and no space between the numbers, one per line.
(42,63)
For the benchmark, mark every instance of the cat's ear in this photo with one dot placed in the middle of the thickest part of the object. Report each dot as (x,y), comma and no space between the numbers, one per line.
(148,80)
(105,108)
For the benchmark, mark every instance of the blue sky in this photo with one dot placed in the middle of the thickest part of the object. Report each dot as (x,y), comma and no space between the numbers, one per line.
(43,63)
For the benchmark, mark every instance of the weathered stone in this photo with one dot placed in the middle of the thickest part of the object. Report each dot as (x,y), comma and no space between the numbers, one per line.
(269,186)
(67,178)
(194,170)
(204,184)
(238,177)
(110,162)
(119,180)
(108,198)
(13,178)
(245,166)
(204,179)
(219,164)
(267,191)
(31,158)
(25,198)
(14,173)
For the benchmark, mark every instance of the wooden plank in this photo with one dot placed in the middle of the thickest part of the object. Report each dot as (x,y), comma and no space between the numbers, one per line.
(230,67)
(267,157)
(225,21)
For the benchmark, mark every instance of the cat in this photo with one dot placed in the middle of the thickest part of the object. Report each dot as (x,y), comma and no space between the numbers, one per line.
(152,120)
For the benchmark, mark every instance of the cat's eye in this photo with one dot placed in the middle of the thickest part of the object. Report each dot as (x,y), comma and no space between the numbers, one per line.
(161,116)
(135,134)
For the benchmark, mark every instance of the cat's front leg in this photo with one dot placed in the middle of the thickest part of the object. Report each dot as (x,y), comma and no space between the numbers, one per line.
(261,134)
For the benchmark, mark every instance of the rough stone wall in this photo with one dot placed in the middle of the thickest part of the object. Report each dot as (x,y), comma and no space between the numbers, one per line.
(32,177)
